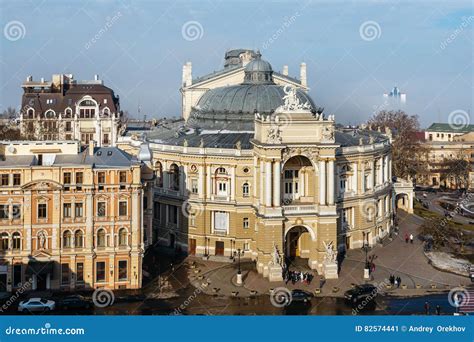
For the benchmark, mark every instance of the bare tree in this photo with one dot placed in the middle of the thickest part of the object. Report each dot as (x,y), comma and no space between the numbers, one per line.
(408,153)
(455,171)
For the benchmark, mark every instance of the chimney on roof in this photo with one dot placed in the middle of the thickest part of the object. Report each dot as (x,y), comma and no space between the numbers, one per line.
(29,78)
(42,79)
(303,79)
(285,70)
(96,77)
(91,147)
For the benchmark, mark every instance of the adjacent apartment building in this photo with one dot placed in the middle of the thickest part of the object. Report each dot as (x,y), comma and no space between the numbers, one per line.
(67,109)
(70,216)
(448,142)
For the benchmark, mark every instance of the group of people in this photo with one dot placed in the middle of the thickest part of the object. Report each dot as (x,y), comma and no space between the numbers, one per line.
(427,309)
(298,276)
(395,281)
(409,238)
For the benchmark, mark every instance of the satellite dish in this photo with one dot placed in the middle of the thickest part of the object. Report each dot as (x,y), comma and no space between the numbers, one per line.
(11,149)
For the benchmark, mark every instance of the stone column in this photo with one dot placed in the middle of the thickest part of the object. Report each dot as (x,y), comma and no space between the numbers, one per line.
(331,182)
(354,178)
(208,182)
(201,182)
(261,183)
(89,221)
(385,169)
(362,178)
(322,182)
(276,183)
(268,183)
(372,176)
(232,184)
(255,174)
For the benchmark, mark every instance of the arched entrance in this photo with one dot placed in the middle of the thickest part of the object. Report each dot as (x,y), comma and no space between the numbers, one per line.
(298,241)
(402,201)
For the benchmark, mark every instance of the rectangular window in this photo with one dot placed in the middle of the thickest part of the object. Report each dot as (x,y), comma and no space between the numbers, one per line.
(5,180)
(123,176)
(194,186)
(100,271)
(101,177)
(172,214)
(42,211)
(64,274)
(16,275)
(106,139)
(79,209)
(246,223)
(221,221)
(156,210)
(16,179)
(67,178)
(246,246)
(80,272)
(123,208)
(101,209)
(4,211)
(67,209)
(79,178)
(122,266)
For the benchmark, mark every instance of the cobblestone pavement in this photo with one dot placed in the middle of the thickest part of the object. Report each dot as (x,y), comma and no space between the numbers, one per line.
(395,257)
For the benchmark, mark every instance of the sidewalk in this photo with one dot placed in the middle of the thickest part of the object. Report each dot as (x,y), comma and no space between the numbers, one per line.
(397,257)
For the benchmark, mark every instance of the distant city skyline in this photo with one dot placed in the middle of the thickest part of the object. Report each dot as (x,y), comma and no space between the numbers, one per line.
(353,52)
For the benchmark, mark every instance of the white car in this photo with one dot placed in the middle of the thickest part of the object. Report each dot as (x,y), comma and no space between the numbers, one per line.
(36,304)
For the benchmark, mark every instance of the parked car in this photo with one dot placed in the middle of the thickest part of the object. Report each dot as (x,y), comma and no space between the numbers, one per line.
(360,293)
(36,304)
(75,302)
(301,296)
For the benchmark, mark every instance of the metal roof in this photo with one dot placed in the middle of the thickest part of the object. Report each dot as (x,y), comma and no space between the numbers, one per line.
(450,128)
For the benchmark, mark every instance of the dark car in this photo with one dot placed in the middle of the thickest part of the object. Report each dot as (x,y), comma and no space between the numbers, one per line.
(75,302)
(360,293)
(300,296)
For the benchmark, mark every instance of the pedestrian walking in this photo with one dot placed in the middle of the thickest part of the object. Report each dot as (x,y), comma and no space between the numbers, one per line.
(427,308)
(438,310)
(399,281)
(392,279)
(396,282)
(411,238)
(406,237)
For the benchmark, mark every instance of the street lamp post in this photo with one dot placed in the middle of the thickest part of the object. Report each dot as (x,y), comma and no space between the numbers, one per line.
(238,253)
(366,268)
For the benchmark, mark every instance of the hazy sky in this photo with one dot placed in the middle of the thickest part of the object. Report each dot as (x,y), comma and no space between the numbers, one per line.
(354,50)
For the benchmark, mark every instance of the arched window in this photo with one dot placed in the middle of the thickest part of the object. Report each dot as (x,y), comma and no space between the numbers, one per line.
(50,114)
(221,171)
(246,190)
(16,240)
(78,239)
(4,241)
(67,239)
(106,112)
(123,237)
(30,113)
(68,113)
(174,177)
(222,181)
(101,238)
